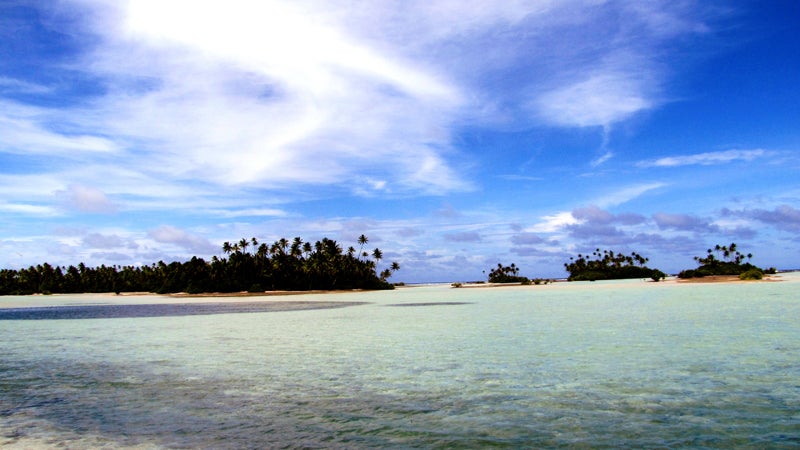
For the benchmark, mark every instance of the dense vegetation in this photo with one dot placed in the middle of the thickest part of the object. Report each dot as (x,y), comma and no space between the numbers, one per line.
(510,274)
(608,265)
(727,261)
(506,274)
(281,266)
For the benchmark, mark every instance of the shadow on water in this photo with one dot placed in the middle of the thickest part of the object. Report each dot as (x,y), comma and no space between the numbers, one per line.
(162,310)
(397,305)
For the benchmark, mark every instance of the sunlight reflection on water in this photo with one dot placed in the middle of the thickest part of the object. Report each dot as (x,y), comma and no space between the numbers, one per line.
(603,365)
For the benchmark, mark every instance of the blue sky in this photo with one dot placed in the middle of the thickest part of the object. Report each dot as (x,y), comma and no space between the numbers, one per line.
(455,134)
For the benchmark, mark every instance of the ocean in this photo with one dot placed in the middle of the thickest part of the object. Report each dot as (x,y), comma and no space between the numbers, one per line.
(611,364)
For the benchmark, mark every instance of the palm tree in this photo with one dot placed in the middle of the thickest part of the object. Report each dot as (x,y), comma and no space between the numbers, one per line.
(362,240)
(243,243)
(377,254)
(284,244)
(227,247)
(297,247)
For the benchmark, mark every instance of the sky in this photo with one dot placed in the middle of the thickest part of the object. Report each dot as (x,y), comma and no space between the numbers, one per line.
(455,135)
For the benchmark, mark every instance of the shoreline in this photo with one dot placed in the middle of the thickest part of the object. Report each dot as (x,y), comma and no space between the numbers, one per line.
(732,279)
(322,296)
(727,279)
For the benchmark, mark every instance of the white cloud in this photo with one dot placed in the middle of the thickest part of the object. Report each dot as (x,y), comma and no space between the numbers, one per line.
(23,130)
(85,199)
(167,234)
(554,222)
(13,85)
(29,186)
(602,159)
(107,241)
(28,209)
(684,222)
(274,93)
(599,100)
(249,212)
(706,159)
(593,214)
(625,195)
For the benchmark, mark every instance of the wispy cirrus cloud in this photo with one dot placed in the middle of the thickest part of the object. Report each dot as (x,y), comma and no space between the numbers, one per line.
(626,194)
(621,71)
(31,131)
(275,94)
(600,99)
(249,212)
(16,86)
(706,159)
(28,209)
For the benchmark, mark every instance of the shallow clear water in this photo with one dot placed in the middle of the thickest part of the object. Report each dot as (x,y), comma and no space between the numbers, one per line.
(606,364)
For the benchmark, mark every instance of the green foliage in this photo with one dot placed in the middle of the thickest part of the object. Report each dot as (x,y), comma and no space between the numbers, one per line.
(752,274)
(249,266)
(657,275)
(608,265)
(506,274)
(723,260)
(255,288)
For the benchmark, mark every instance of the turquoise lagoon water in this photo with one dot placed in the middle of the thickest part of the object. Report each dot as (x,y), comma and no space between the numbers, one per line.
(591,365)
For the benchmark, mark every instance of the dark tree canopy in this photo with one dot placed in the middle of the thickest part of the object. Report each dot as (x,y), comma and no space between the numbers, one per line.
(608,265)
(725,260)
(506,274)
(249,266)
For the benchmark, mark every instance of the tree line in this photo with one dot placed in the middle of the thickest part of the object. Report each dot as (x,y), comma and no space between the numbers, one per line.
(608,265)
(727,261)
(247,266)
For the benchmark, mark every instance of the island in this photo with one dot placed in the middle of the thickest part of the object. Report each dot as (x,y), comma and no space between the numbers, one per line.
(608,265)
(726,260)
(247,267)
